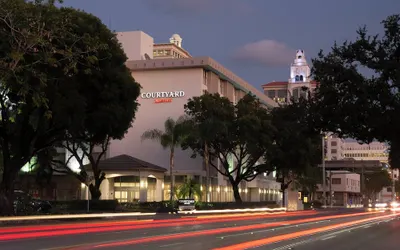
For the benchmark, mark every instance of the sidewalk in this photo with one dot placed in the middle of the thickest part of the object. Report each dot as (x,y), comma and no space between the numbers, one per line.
(14,220)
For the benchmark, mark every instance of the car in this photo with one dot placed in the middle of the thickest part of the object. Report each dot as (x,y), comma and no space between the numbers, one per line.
(24,204)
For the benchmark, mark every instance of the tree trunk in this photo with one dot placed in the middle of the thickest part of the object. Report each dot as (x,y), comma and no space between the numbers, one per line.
(283,197)
(236,193)
(95,189)
(171,167)
(95,192)
(7,192)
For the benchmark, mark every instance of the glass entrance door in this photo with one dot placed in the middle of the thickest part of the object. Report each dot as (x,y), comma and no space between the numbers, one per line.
(121,196)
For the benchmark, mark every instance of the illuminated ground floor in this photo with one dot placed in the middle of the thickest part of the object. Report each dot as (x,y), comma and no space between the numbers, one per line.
(129,179)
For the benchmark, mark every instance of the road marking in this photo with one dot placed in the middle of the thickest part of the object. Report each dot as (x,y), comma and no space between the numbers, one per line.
(300,234)
(323,237)
(329,237)
(291,246)
(271,229)
(173,244)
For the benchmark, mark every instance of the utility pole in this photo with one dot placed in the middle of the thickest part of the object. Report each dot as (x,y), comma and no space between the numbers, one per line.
(323,172)
(207,165)
(393,185)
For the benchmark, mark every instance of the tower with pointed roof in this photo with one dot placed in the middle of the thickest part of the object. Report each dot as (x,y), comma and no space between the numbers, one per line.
(299,70)
(300,73)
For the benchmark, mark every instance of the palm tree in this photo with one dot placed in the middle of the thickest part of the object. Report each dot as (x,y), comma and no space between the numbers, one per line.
(173,135)
(190,189)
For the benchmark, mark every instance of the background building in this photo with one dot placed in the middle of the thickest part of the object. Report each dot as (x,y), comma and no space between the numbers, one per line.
(336,148)
(283,91)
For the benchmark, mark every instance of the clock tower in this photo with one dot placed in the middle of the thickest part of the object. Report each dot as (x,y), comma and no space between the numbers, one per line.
(299,70)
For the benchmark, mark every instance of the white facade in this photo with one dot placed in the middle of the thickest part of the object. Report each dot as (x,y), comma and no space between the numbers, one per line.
(334,149)
(299,70)
(299,76)
(136,44)
(373,151)
(343,188)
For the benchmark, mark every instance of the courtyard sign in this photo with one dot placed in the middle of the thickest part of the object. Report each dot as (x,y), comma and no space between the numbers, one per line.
(170,94)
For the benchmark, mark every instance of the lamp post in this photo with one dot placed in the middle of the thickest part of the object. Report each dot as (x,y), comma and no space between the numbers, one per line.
(323,172)
(393,185)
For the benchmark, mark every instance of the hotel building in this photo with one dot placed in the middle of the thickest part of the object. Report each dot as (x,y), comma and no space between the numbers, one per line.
(169,76)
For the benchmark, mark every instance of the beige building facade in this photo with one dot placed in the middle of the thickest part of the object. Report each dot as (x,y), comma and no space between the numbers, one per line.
(167,84)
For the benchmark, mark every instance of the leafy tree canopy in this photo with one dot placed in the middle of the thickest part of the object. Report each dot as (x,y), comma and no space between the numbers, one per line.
(359,92)
(237,136)
(376,181)
(297,145)
(59,70)
(108,94)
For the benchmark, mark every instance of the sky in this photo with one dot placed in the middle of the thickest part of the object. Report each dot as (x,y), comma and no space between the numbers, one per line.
(256,39)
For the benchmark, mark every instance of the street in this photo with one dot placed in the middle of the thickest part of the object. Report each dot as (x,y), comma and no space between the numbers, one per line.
(325,229)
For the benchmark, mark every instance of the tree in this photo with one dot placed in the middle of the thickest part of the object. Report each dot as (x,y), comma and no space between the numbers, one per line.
(375,182)
(359,92)
(237,136)
(189,189)
(308,181)
(110,112)
(83,152)
(50,59)
(171,138)
(297,145)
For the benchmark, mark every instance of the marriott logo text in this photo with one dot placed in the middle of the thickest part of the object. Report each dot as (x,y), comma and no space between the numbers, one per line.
(171,94)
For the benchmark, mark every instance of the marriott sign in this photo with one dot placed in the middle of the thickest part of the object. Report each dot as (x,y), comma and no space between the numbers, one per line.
(170,94)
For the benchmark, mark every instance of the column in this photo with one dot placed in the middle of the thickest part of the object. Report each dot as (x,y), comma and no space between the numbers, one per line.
(105,190)
(143,189)
(159,189)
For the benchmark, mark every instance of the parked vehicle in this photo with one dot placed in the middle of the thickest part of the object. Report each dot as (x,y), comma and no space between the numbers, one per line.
(25,204)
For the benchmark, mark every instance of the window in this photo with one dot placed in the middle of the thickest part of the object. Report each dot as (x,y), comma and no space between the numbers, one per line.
(282,93)
(222,87)
(237,95)
(296,94)
(205,77)
(336,181)
(334,151)
(301,78)
(333,143)
(271,93)
(389,189)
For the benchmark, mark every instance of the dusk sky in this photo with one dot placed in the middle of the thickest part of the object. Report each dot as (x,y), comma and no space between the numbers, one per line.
(256,39)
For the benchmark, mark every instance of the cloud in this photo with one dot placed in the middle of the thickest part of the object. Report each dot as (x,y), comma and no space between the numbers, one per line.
(190,7)
(265,52)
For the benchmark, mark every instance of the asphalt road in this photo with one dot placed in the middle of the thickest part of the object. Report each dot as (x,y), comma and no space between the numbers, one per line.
(327,230)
